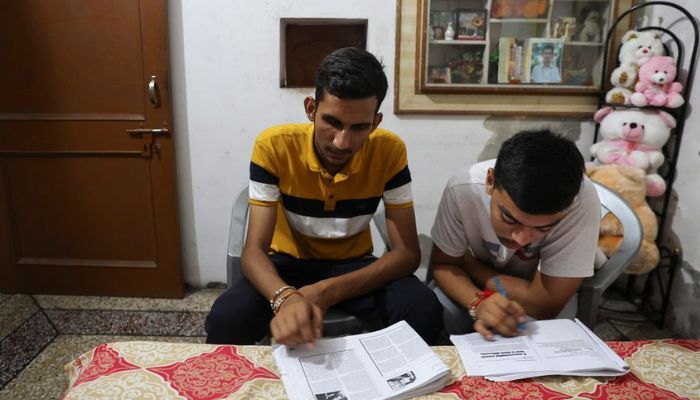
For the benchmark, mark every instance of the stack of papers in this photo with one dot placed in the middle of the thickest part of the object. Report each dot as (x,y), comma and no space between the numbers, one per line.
(552,347)
(393,363)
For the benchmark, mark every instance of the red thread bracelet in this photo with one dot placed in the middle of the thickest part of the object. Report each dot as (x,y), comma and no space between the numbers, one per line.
(480,297)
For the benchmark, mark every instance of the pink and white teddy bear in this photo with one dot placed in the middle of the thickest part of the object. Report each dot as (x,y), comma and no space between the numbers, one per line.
(637,48)
(656,86)
(635,138)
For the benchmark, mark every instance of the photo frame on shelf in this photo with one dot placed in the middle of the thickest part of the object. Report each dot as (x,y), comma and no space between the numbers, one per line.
(563,28)
(471,24)
(439,74)
(466,65)
(543,60)
(577,65)
(590,24)
(438,33)
(438,23)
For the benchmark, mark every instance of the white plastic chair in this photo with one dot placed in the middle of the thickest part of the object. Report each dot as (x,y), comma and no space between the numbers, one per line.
(336,322)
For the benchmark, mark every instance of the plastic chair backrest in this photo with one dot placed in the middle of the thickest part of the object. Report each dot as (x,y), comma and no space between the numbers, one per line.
(426,245)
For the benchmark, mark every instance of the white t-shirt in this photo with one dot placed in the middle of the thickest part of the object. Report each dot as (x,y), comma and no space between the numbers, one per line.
(463,223)
(545,74)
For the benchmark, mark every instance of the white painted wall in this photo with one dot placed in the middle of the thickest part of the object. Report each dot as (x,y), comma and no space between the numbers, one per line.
(225,74)
(225,69)
(686,224)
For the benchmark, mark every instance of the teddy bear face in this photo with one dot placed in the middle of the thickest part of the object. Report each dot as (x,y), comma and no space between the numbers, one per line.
(658,70)
(644,127)
(639,47)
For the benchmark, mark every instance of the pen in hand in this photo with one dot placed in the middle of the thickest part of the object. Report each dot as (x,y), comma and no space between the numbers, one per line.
(502,291)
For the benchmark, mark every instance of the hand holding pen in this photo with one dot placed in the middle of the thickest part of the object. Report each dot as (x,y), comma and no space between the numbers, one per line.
(499,314)
(502,291)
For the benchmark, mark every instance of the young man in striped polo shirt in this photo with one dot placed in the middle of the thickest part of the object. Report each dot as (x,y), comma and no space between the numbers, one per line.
(313,190)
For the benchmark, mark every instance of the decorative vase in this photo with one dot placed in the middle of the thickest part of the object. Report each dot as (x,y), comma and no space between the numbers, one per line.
(449,32)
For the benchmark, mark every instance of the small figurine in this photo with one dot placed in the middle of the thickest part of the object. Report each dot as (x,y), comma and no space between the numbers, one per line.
(449,32)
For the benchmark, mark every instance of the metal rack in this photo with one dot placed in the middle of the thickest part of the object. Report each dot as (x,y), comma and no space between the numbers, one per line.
(661,278)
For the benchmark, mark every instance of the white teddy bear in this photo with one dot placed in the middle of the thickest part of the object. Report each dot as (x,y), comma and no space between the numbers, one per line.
(637,48)
(635,138)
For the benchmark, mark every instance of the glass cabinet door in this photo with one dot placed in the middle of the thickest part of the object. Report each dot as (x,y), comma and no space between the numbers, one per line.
(512,45)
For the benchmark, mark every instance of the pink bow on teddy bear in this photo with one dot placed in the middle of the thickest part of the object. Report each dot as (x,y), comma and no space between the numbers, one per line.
(626,148)
(656,86)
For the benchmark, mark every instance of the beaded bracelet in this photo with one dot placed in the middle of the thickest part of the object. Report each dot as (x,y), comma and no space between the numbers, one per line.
(480,296)
(274,303)
(282,298)
(279,292)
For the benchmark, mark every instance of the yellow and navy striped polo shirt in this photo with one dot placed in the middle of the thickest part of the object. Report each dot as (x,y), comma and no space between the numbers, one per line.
(319,215)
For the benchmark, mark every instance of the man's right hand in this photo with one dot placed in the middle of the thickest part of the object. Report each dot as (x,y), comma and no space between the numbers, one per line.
(298,321)
(498,314)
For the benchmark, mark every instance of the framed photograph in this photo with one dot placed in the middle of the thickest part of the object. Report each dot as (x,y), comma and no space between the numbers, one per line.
(563,28)
(466,65)
(577,66)
(438,23)
(544,57)
(590,24)
(439,74)
(471,24)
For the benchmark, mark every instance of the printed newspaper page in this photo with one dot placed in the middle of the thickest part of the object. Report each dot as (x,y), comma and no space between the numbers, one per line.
(392,363)
(552,347)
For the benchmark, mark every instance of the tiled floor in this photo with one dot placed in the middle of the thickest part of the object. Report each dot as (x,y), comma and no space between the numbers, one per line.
(39,334)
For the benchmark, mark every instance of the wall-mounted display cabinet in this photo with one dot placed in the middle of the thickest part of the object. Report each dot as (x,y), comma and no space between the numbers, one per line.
(513,45)
(503,57)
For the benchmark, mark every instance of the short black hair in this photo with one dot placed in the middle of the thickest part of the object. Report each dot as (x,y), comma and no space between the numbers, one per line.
(351,73)
(540,171)
(548,46)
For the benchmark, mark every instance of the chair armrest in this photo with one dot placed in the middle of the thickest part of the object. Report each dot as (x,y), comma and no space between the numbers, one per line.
(379,219)
(425,273)
(631,240)
(607,273)
(236,237)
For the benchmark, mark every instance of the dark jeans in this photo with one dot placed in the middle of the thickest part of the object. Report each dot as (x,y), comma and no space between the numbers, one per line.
(241,315)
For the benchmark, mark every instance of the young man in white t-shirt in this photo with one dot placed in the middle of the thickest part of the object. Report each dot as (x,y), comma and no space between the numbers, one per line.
(528,221)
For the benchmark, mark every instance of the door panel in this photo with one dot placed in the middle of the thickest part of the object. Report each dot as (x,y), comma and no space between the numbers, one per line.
(72,57)
(87,194)
(52,206)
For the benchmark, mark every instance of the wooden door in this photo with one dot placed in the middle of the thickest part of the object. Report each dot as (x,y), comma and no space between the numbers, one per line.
(88,201)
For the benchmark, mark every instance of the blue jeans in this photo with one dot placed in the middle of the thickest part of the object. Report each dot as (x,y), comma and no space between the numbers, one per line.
(241,315)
